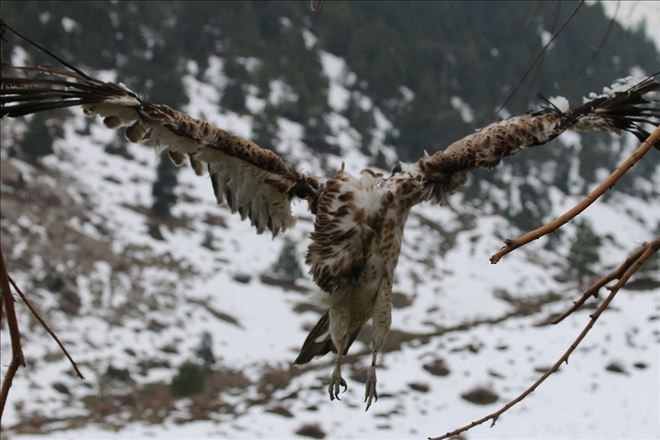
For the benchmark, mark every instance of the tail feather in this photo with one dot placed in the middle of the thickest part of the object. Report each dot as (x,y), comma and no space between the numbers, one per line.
(319,342)
(312,346)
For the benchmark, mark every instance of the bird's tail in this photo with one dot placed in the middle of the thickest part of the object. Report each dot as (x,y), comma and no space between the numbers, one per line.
(319,342)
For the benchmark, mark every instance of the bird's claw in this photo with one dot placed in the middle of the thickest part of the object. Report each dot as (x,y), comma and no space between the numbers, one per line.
(370,393)
(335,387)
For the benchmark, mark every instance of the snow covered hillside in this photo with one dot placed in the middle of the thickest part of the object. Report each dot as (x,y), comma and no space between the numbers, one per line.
(131,297)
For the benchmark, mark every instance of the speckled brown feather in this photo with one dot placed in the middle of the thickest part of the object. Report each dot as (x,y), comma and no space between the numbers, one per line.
(254,182)
(619,111)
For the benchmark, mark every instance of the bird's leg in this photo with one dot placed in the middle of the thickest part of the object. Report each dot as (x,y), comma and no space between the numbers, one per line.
(382,317)
(370,390)
(337,381)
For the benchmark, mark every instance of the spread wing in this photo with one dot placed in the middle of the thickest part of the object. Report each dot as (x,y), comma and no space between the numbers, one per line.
(253,181)
(615,112)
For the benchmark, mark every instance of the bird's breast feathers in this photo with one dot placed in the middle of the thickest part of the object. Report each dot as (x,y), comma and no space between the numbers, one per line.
(349,231)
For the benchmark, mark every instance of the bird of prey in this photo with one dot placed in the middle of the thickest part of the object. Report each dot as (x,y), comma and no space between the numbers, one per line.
(359,220)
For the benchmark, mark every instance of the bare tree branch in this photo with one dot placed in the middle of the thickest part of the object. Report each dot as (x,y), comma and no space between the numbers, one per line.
(17,358)
(548,228)
(596,286)
(47,328)
(648,249)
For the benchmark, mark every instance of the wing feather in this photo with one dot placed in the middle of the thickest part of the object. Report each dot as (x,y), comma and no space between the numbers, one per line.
(446,171)
(254,182)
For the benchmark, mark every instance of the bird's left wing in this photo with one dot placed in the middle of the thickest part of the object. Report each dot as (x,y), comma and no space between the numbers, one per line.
(614,111)
(253,181)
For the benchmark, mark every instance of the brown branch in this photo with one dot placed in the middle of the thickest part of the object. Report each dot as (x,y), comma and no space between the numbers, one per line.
(648,250)
(548,228)
(592,290)
(17,358)
(47,328)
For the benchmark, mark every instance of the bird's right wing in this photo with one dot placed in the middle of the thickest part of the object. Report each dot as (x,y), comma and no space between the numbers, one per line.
(253,181)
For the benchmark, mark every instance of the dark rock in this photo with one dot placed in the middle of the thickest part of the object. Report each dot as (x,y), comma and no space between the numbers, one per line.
(493,373)
(215,220)
(312,430)
(437,368)
(616,367)
(401,300)
(420,387)
(61,388)
(640,365)
(119,374)
(480,396)
(242,278)
(280,410)
(169,348)
(283,282)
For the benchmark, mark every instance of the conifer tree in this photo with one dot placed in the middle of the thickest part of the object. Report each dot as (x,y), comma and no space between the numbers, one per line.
(265,127)
(287,264)
(204,351)
(583,254)
(162,190)
(38,142)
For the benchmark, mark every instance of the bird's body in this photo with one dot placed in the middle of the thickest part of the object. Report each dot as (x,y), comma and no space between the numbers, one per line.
(359,222)
(354,252)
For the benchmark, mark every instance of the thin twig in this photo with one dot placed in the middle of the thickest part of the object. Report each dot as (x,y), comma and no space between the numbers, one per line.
(596,286)
(598,48)
(531,14)
(539,65)
(17,358)
(649,249)
(515,243)
(47,328)
(538,55)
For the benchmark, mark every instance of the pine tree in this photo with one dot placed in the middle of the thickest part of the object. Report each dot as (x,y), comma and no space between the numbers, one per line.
(264,130)
(162,190)
(189,380)
(38,142)
(205,350)
(583,254)
(316,134)
(287,264)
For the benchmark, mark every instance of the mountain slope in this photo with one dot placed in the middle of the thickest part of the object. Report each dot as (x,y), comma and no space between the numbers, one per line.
(131,294)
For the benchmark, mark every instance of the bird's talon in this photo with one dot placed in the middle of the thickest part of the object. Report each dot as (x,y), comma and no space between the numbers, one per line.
(335,387)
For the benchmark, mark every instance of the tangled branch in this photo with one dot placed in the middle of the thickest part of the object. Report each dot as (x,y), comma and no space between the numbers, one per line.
(630,266)
(17,358)
(47,328)
(616,274)
(608,183)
